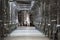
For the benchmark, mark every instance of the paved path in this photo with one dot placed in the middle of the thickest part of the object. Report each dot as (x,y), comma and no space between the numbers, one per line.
(27,33)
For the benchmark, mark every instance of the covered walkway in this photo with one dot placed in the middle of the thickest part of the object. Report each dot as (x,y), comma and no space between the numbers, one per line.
(29,19)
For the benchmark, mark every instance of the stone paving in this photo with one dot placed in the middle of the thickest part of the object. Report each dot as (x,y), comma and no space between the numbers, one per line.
(26,34)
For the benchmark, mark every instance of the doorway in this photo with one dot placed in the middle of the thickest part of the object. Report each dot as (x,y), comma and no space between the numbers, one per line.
(24,18)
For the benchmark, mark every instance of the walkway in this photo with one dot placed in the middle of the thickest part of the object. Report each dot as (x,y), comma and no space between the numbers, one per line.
(26,33)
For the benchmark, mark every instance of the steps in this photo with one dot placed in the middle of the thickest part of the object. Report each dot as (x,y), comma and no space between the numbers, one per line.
(26,38)
(26,34)
(26,31)
(25,28)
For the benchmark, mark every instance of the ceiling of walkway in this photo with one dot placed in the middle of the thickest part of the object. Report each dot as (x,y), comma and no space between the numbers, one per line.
(24,4)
